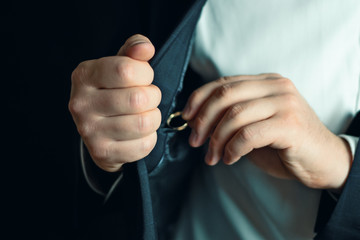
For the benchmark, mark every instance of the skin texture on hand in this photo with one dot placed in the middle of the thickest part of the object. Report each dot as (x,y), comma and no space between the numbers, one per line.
(115,105)
(264,117)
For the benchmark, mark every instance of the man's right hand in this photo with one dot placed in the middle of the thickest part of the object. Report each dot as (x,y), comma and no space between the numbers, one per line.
(114,105)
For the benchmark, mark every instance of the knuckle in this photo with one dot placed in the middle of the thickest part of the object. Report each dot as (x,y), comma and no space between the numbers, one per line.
(137,99)
(80,73)
(271,75)
(86,129)
(222,80)
(125,70)
(100,152)
(200,121)
(290,118)
(144,123)
(246,134)
(214,142)
(76,106)
(231,151)
(223,91)
(287,84)
(236,110)
(291,101)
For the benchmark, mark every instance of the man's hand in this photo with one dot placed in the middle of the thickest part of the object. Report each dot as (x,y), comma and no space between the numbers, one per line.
(114,105)
(265,117)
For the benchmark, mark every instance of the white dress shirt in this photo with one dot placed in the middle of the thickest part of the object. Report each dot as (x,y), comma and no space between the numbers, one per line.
(315,43)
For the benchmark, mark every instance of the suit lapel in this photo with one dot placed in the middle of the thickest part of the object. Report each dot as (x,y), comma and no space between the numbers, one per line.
(169,64)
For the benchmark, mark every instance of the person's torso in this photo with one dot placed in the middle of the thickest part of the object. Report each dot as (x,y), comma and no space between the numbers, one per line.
(313,43)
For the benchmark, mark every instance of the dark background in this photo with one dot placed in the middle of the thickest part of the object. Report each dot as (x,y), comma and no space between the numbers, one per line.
(44,42)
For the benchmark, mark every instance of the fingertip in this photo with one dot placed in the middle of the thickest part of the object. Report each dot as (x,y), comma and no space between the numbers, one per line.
(194,139)
(138,47)
(142,51)
(211,163)
(186,112)
(210,159)
(228,160)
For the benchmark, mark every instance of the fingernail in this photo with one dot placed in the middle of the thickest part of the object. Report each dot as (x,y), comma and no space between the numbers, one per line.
(137,42)
(194,138)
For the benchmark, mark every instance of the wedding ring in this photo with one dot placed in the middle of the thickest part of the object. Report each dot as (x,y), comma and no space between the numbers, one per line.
(172,118)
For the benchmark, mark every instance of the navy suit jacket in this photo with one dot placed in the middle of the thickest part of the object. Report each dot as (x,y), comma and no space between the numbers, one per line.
(45,42)
(163,183)
(339,220)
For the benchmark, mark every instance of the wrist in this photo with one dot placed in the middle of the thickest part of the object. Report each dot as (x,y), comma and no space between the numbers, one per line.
(341,161)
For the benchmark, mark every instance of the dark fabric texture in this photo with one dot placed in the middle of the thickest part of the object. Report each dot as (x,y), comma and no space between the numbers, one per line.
(169,66)
(341,220)
(45,193)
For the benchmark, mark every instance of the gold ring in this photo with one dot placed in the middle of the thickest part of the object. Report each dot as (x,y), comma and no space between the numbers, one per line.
(171,117)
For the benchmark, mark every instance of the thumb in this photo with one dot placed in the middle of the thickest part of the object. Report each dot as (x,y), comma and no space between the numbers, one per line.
(137,47)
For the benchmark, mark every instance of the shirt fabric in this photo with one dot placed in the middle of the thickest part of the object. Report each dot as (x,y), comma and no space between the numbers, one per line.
(313,43)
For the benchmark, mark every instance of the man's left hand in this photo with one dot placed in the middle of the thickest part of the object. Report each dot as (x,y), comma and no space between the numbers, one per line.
(264,116)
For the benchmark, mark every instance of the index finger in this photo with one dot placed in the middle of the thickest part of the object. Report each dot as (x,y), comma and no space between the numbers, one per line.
(113,72)
(200,95)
